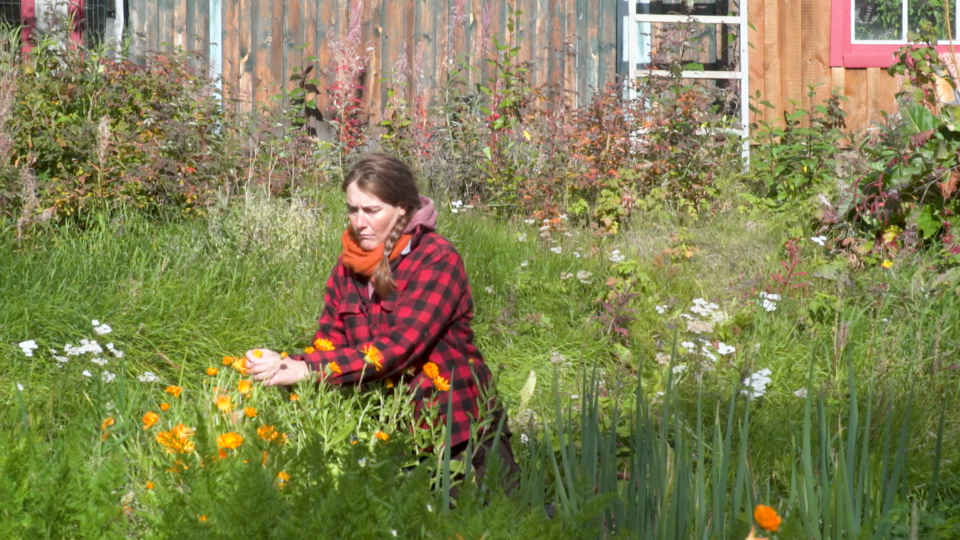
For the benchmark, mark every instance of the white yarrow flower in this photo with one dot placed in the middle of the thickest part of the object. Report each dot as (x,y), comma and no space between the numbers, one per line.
(524,439)
(662,309)
(99,361)
(28,347)
(524,263)
(565,276)
(108,377)
(529,221)
(679,369)
(148,377)
(20,387)
(95,322)
(557,249)
(801,393)
(86,373)
(521,237)
(62,359)
(688,345)
(757,383)
(489,289)
(584,276)
(616,256)
(819,240)
(725,349)
(103,329)
(576,254)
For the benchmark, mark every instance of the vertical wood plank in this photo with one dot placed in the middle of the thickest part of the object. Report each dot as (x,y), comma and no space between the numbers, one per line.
(755,37)
(190,26)
(808,52)
(409,40)
(609,54)
(246,63)
(526,35)
(165,23)
(231,48)
(821,37)
(293,44)
(554,21)
(771,58)
(574,48)
(881,92)
(142,29)
(179,37)
(790,32)
(372,35)
(855,90)
(392,45)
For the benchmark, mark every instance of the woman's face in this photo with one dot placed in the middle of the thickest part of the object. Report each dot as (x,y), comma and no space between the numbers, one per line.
(371,219)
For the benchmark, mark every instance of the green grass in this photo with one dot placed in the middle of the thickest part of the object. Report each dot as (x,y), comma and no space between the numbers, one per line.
(179,296)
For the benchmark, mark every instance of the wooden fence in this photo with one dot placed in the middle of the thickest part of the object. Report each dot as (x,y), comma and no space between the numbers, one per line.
(573,42)
(791,51)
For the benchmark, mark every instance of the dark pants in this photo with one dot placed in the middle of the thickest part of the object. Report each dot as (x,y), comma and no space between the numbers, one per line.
(509,468)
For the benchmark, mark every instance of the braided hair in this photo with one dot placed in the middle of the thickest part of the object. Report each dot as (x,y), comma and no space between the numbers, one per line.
(391,181)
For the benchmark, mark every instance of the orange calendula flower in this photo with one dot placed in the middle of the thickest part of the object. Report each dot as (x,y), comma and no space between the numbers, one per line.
(323,344)
(211,371)
(334,367)
(250,412)
(174,390)
(431,370)
(230,440)
(177,440)
(105,425)
(202,518)
(244,387)
(240,364)
(164,407)
(284,355)
(309,350)
(381,435)
(257,353)
(227,360)
(767,517)
(441,384)
(149,419)
(149,485)
(283,477)
(222,454)
(267,433)
(294,397)
(373,356)
(224,403)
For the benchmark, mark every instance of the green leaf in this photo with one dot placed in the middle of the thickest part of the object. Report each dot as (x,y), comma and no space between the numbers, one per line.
(918,119)
(928,222)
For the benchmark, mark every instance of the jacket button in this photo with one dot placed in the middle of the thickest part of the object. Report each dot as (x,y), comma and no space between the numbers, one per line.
(374,328)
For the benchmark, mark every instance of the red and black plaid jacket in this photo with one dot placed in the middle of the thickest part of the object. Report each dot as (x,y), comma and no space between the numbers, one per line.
(426,319)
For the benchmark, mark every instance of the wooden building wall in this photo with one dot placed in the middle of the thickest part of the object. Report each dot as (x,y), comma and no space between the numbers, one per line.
(569,41)
(791,50)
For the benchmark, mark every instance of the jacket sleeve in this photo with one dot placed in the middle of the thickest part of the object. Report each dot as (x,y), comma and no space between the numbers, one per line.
(423,311)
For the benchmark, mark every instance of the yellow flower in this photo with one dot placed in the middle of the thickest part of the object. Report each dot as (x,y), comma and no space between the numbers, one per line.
(177,440)
(323,344)
(294,397)
(227,360)
(887,263)
(283,477)
(431,370)
(250,412)
(334,367)
(224,403)
(381,435)
(389,383)
(442,384)
(309,350)
(164,407)
(211,371)
(149,485)
(105,425)
(149,419)
(230,440)
(174,391)
(240,364)
(284,355)
(244,387)
(267,433)
(202,518)
(257,353)
(767,518)
(373,356)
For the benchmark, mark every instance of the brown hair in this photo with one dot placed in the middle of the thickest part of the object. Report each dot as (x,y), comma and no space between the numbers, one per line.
(391,181)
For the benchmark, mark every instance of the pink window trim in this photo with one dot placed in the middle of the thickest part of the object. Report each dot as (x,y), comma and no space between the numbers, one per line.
(845,54)
(28,14)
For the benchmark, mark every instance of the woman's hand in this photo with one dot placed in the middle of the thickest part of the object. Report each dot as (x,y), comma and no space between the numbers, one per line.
(273,370)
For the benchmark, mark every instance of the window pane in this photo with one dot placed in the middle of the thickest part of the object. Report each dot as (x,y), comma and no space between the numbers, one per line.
(930,11)
(878,19)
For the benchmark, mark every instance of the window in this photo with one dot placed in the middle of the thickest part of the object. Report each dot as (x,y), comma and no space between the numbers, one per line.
(866,33)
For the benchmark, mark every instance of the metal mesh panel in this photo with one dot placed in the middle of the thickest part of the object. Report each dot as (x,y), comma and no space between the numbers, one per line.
(95,15)
(10,12)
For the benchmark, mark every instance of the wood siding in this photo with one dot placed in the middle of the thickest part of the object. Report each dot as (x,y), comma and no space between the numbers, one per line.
(573,42)
(791,51)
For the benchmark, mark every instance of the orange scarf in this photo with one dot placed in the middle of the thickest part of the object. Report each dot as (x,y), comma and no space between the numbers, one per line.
(365,262)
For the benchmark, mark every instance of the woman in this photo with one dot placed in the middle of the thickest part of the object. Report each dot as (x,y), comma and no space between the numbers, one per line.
(402,317)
